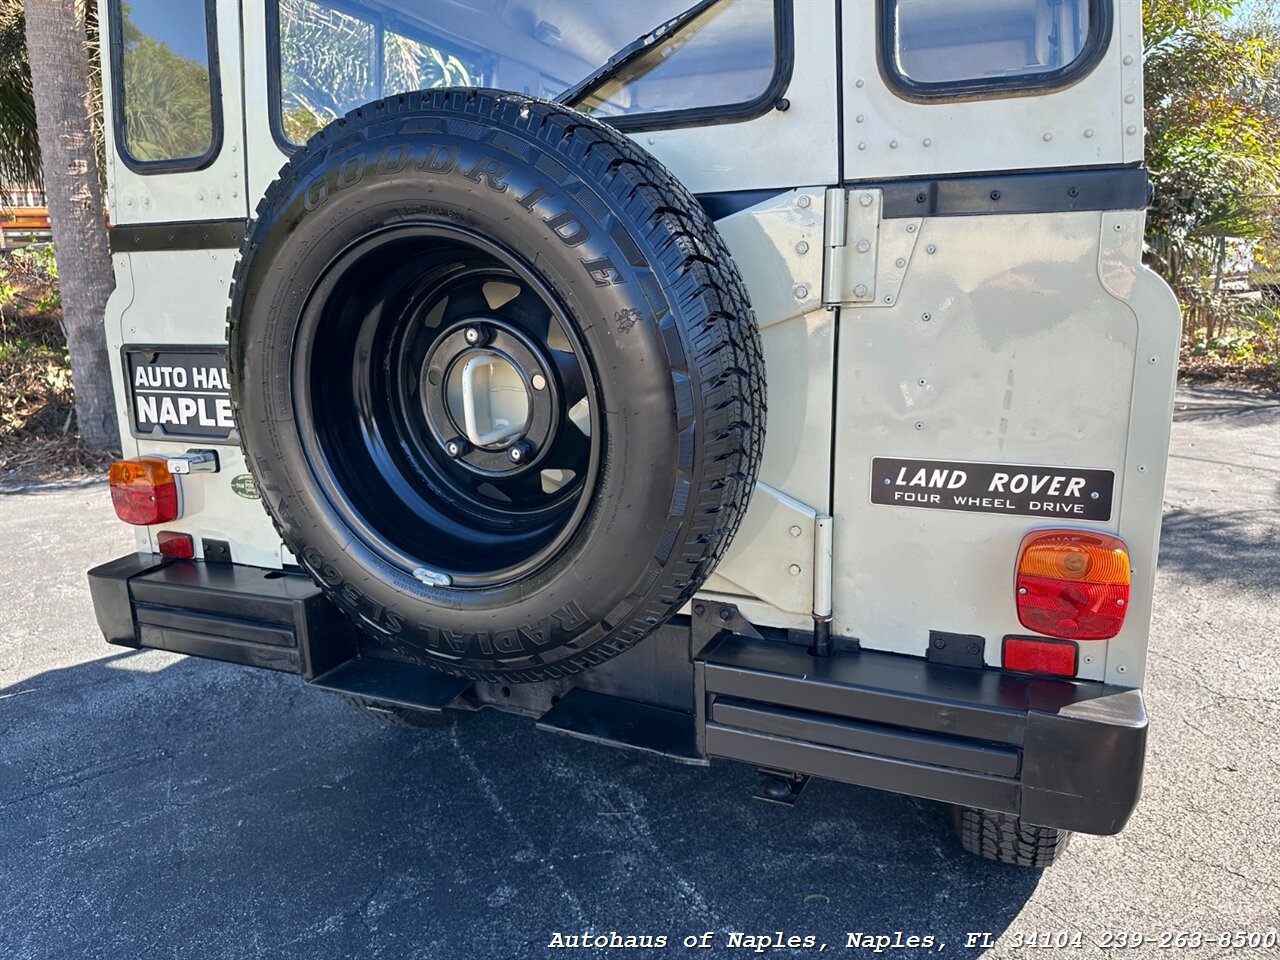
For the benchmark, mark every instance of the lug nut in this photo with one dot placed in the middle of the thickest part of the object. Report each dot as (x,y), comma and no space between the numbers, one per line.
(519,452)
(456,447)
(473,335)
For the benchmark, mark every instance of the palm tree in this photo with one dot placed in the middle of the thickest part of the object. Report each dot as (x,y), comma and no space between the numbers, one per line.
(63,99)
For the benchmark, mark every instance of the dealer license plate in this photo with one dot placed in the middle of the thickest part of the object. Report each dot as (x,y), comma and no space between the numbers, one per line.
(180,393)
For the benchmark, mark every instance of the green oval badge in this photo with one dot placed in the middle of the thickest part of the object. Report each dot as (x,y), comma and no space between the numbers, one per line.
(244,486)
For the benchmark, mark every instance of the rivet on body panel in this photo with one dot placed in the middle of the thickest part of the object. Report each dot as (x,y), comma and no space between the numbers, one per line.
(926,317)
(893,144)
(1131,130)
(864,246)
(801,291)
(1153,359)
(795,530)
(911,228)
(802,247)
(862,145)
(803,200)
(900,262)
(865,199)
(919,424)
(794,569)
(1128,59)
(1129,98)
(1088,134)
(926,142)
(888,299)
(859,118)
(860,290)
(931,249)
(1048,137)
(1142,468)
(859,83)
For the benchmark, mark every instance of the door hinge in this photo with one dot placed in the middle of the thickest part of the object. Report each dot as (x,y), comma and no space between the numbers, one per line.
(865,257)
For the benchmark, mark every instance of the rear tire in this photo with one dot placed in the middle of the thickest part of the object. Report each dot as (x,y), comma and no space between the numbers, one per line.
(1006,839)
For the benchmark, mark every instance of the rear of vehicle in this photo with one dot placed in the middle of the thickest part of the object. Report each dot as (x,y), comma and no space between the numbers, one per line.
(444,395)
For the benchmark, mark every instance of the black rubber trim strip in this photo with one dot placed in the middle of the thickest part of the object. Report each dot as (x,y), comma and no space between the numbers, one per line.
(1043,191)
(983,88)
(189,235)
(176,164)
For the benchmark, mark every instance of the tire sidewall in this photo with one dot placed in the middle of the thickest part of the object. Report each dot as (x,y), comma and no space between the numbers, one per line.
(388,174)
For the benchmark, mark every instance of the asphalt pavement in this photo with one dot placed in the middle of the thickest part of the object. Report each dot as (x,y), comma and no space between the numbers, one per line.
(157,806)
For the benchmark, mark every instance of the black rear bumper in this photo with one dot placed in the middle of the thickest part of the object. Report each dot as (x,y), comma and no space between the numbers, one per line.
(1066,754)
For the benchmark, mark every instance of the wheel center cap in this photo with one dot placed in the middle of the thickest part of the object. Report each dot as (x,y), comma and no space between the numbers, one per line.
(487,397)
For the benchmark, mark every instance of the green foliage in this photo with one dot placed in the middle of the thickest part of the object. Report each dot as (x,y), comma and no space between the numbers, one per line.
(1213,146)
(19,143)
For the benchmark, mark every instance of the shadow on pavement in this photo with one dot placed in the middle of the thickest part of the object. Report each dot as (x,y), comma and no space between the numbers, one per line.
(1224,406)
(1221,546)
(155,805)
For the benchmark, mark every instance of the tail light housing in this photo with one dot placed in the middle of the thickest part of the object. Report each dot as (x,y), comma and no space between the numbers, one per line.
(1073,584)
(143,491)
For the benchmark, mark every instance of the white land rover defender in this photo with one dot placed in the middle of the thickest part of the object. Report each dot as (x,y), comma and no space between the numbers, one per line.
(445,331)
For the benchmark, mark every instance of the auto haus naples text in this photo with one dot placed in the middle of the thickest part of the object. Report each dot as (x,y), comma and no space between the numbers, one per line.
(182,396)
(1076,492)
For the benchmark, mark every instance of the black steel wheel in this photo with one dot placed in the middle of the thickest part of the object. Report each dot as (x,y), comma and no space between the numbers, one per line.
(446,405)
(497,379)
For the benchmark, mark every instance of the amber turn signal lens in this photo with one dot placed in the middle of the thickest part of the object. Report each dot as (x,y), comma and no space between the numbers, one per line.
(143,491)
(1073,584)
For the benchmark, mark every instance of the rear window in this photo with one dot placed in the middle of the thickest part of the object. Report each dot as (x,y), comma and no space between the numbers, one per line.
(166,111)
(331,57)
(950,47)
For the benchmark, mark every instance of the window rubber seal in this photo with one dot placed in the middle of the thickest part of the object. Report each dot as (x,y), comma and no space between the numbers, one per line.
(1101,26)
(783,64)
(177,164)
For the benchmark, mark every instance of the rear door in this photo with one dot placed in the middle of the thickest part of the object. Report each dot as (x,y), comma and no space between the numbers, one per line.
(995,317)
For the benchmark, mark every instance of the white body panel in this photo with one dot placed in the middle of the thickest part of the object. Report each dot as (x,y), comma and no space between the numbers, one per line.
(1047,341)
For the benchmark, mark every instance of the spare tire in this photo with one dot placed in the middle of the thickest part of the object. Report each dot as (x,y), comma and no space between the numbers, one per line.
(497,379)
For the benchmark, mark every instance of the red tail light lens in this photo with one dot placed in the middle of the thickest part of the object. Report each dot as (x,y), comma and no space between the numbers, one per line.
(1056,658)
(143,491)
(179,546)
(1073,584)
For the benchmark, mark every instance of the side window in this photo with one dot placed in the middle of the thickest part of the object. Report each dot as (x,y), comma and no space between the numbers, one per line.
(165,83)
(730,61)
(957,47)
(333,59)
